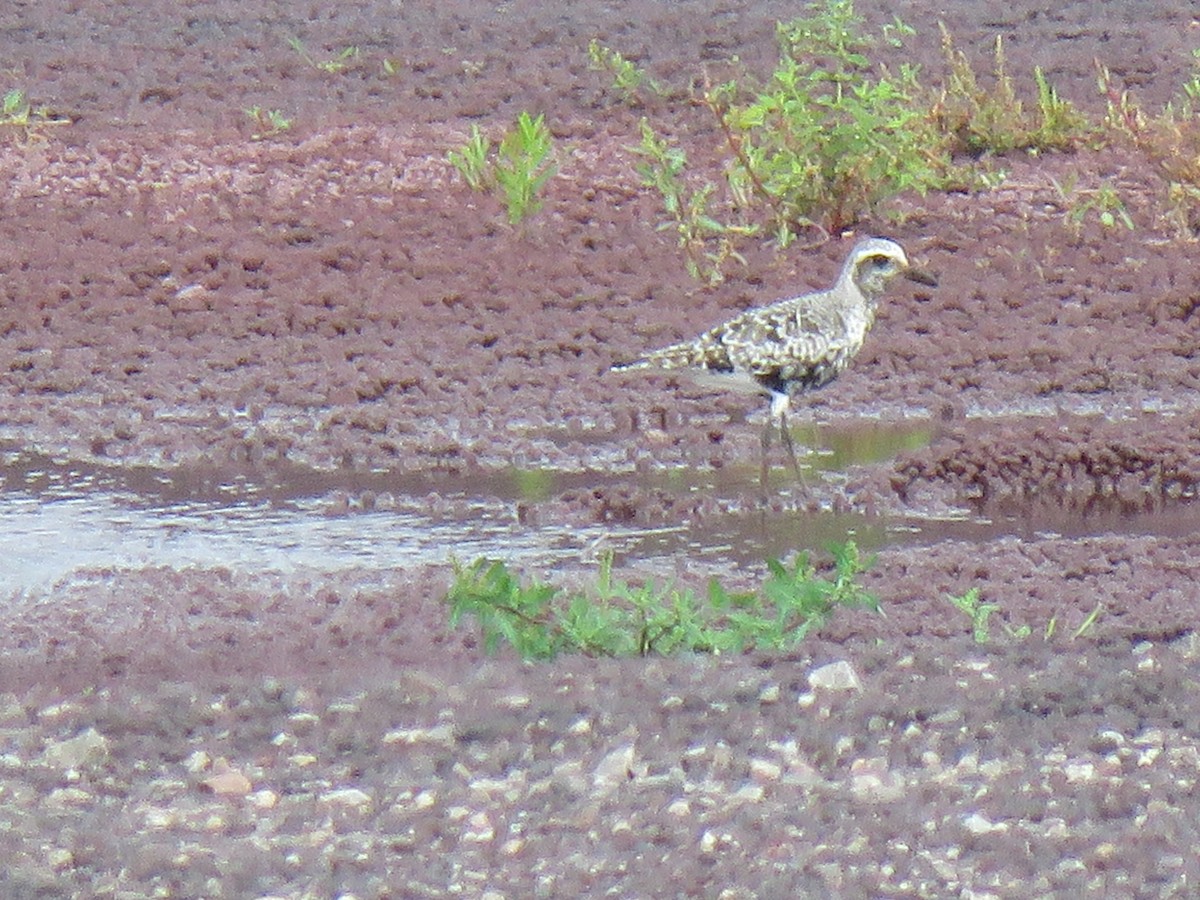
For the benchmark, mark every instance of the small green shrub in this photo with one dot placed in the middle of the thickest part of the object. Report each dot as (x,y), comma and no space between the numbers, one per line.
(519,170)
(708,243)
(617,618)
(525,164)
(993,120)
(1062,127)
(831,135)
(627,79)
(267,122)
(471,160)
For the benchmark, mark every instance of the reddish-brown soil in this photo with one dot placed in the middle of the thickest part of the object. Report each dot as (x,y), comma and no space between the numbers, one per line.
(180,297)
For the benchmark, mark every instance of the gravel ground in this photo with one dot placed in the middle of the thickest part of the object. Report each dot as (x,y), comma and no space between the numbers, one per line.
(180,298)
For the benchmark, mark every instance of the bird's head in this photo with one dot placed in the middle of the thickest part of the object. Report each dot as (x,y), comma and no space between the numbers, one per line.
(876,261)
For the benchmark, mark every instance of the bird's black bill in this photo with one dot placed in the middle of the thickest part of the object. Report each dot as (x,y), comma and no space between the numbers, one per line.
(920,276)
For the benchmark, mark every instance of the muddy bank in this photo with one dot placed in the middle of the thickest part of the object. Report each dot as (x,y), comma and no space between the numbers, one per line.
(191,313)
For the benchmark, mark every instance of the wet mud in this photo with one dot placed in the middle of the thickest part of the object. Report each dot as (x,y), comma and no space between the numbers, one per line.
(257,390)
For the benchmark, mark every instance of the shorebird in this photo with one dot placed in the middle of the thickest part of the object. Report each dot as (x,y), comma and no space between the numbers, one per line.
(794,345)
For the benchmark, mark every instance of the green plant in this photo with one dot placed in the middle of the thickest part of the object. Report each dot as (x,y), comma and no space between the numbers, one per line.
(627,78)
(979,120)
(979,613)
(708,244)
(17,112)
(1191,87)
(520,168)
(617,618)
(1062,127)
(525,164)
(471,160)
(269,122)
(1103,201)
(335,64)
(1170,139)
(994,121)
(1122,112)
(15,109)
(1088,622)
(831,135)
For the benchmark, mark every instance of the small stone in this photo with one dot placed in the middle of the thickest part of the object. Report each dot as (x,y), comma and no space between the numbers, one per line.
(69,796)
(1080,771)
(438,734)
(679,808)
(351,797)
(836,676)
(301,721)
(160,819)
(479,829)
(264,799)
(614,770)
(770,694)
(424,800)
(978,824)
(89,746)
(198,761)
(764,771)
(227,783)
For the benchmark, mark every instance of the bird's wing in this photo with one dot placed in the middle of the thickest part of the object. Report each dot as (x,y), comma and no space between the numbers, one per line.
(787,336)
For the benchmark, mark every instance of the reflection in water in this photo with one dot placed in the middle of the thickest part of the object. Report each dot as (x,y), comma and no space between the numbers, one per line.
(60,518)
(44,539)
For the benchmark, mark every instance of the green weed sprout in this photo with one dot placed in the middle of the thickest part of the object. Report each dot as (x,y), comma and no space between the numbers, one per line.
(17,112)
(977,611)
(520,168)
(1104,202)
(627,78)
(15,109)
(471,160)
(270,122)
(617,618)
(333,65)
(525,164)
(707,242)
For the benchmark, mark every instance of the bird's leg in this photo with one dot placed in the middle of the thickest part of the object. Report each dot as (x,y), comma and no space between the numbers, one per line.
(779,411)
(786,434)
(768,430)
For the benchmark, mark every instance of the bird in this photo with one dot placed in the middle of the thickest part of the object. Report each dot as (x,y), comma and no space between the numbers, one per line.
(794,345)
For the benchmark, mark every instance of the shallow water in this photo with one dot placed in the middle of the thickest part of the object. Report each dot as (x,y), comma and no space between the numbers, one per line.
(58,519)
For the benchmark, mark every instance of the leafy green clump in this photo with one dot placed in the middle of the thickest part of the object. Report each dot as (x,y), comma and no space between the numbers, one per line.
(618,618)
(519,170)
(831,134)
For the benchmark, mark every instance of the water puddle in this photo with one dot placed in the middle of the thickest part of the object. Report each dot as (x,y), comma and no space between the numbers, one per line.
(58,518)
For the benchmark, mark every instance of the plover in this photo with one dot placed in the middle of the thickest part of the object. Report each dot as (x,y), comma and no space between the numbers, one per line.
(794,345)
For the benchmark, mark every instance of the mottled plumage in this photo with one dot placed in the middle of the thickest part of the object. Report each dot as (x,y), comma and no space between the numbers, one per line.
(794,345)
